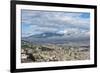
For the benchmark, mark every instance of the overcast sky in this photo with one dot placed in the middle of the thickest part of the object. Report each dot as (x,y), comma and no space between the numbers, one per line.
(37,22)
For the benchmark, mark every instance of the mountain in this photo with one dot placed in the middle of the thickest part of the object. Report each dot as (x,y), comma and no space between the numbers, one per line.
(45,35)
(56,38)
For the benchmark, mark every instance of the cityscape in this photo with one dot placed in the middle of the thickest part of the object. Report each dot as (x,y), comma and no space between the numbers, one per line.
(48,36)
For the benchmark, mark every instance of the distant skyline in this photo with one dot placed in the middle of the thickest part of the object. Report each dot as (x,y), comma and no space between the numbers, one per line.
(38,22)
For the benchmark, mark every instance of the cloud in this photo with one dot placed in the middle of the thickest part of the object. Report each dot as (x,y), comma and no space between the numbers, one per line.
(70,31)
(73,34)
(35,22)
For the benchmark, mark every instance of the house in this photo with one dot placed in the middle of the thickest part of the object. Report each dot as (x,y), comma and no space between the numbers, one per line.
(24,56)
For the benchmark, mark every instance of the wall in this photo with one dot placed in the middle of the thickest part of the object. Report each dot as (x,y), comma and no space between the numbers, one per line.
(5,35)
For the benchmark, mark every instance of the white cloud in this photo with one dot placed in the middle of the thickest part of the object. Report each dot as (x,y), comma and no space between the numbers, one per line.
(60,22)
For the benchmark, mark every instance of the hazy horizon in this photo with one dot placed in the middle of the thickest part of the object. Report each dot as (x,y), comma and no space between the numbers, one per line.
(50,25)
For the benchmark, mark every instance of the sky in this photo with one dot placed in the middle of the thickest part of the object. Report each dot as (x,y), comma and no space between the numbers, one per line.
(37,22)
